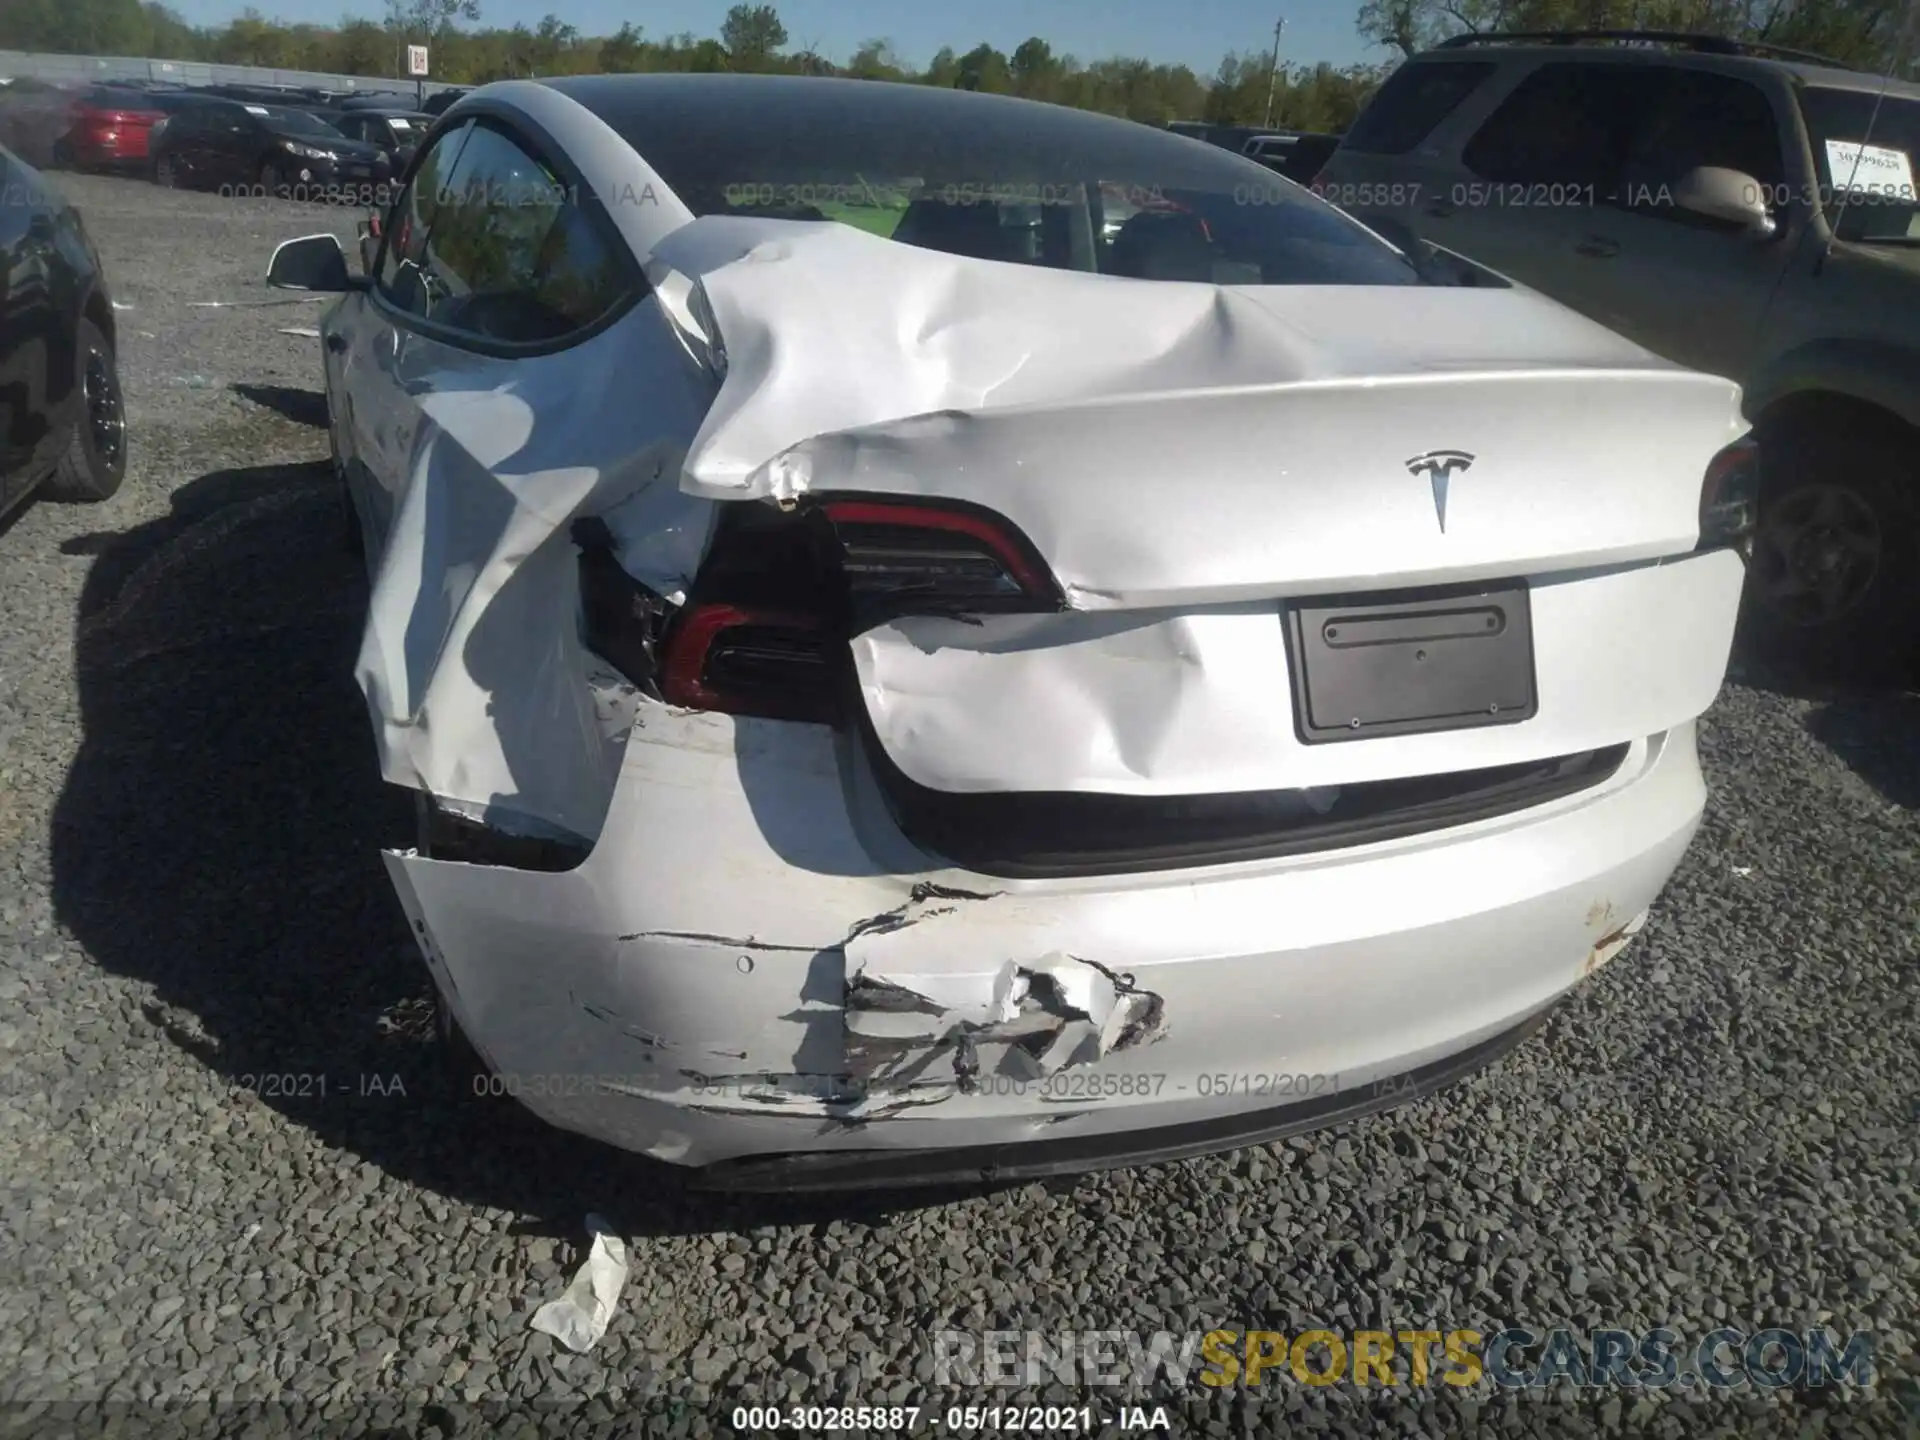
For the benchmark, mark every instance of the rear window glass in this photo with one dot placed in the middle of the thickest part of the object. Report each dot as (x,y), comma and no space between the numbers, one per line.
(294,122)
(1000,180)
(1414,99)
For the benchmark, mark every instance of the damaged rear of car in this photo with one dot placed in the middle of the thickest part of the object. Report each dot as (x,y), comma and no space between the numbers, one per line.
(913,677)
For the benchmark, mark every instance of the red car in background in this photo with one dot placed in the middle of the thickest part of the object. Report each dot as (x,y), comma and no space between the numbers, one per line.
(113,126)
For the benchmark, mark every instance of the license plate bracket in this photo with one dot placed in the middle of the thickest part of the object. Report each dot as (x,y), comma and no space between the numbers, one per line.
(1411,661)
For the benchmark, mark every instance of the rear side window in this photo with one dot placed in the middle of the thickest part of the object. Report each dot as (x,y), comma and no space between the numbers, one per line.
(511,255)
(1414,99)
(1565,125)
(402,281)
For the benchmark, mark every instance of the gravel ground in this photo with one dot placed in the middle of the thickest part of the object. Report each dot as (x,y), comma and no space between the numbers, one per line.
(1719,1130)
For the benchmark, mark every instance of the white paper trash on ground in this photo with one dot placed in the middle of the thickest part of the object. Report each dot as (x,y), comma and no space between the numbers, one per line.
(580,1317)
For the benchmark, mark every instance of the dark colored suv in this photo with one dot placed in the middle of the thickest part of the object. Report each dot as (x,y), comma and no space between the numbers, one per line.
(1742,210)
(266,150)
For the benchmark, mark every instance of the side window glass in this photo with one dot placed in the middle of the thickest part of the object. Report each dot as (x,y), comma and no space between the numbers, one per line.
(1704,119)
(402,280)
(1565,125)
(511,255)
(1414,99)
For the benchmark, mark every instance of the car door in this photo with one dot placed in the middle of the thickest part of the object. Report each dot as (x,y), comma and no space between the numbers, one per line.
(211,142)
(239,146)
(494,391)
(1686,286)
(177,141)
(373,430)
(26,330)
(1539,169)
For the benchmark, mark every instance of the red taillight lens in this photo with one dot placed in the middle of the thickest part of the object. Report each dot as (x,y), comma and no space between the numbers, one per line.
(937,556)
(1730,495)
(765,630)
(749,662)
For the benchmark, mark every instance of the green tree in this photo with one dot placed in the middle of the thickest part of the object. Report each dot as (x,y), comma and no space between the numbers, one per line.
(1860,32)
(360,47)
(621,52)
(943,70)
(1034,69)
(984,68)
(172,37)
(876,60)
(417,22)
(752,35)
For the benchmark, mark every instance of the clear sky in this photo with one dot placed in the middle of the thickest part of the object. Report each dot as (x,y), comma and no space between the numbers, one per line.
(1196,31)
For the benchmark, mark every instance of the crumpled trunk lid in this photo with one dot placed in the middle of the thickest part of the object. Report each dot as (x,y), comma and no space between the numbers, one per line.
(1166,443)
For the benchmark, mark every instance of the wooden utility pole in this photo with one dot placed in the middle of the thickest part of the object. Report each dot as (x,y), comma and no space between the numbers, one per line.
(1273,69)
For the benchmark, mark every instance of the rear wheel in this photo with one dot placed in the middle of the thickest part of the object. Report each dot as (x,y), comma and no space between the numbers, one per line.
(1833,588)
(96,458)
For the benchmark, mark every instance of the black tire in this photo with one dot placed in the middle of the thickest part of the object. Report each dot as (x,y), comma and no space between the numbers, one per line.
(272,182)
(1833,588)
(164,173)
(96,458)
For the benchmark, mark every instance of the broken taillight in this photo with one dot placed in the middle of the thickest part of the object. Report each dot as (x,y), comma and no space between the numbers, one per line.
(1730,496)
(936,558)
(749,661)
(768,649)
(764,630)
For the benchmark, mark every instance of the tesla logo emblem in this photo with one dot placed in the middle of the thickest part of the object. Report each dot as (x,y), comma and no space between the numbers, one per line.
(1438,466)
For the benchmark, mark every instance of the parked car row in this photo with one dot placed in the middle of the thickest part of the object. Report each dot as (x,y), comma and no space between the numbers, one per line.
(1296,154)
(240,138)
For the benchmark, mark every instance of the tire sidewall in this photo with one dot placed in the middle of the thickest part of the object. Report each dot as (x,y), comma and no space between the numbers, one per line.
(108,472)
(84,474)
(1880,631)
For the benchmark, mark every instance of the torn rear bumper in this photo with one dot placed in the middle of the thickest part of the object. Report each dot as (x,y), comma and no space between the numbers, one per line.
(808,1171)
(753,963)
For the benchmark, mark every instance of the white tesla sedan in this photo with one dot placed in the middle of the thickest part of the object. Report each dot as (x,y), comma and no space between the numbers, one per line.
(909,680)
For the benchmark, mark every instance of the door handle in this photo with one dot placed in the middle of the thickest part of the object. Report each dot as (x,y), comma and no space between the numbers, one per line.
(1599,247)
(336,342)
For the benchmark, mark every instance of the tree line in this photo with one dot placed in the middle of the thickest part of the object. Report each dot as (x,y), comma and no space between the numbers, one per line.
(1876,35)
(1322,97)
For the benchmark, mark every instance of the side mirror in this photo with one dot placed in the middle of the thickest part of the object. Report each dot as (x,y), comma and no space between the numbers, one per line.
(1730,195)
(313,262)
